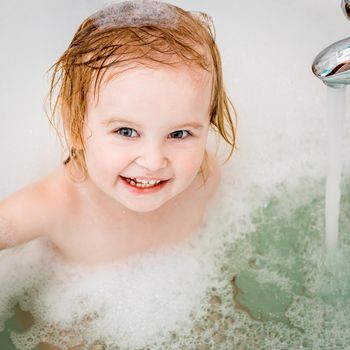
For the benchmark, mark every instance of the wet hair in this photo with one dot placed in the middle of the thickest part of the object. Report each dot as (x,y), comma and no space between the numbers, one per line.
(145,32)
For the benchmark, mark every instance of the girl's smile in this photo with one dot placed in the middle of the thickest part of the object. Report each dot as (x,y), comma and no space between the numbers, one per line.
(144,187)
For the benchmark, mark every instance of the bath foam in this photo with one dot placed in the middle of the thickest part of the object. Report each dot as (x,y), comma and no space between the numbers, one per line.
(148,300)
(136,13)
(163,295)
(155,300)
(131,304)
(17,274)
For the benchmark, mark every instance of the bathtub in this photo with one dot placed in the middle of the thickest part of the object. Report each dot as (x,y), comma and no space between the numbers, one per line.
(269,206)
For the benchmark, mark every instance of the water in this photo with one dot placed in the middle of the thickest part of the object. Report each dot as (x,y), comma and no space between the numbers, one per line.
(335,121)
(298,294)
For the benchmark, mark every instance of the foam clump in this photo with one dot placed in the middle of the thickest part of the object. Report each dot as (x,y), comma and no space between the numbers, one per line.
(136,13)
(130,304)
(21,268)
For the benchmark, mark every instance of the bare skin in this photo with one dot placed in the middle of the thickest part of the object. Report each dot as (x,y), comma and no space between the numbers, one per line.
(113,235)
(68,215)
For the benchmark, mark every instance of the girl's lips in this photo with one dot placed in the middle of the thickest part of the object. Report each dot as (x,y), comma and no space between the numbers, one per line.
(145,190)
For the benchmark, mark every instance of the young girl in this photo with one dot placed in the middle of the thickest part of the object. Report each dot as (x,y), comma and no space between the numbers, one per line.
(138,89)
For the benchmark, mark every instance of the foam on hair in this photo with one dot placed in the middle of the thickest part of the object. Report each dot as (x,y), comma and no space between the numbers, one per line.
(136,13)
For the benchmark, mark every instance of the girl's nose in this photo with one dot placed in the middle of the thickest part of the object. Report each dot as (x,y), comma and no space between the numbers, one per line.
(152,157)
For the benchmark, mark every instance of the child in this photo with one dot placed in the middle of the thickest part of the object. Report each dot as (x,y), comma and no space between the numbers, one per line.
(138,89)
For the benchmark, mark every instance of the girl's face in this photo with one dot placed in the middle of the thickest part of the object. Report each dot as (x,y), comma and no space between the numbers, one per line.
(148,124)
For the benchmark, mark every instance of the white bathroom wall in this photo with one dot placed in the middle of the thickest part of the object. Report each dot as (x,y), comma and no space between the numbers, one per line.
(267,49)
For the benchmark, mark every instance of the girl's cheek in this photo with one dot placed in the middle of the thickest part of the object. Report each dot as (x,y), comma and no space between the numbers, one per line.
(191,159)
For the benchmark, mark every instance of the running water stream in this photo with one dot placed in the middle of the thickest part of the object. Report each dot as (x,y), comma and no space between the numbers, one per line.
(335,118)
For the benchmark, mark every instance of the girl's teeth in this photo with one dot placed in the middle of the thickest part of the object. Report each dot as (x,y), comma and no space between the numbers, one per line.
(146,182)
(142,183)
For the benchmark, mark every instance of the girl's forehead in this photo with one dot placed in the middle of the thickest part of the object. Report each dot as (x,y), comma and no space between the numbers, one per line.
(138,89)
(193,72)
(192,75)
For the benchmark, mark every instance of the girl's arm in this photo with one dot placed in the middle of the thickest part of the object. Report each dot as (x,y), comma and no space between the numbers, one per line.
(23,216)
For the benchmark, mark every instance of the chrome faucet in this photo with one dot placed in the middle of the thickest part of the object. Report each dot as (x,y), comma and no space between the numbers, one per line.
(332,65)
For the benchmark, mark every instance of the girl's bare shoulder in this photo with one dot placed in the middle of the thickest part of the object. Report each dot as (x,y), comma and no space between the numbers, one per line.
(31,211)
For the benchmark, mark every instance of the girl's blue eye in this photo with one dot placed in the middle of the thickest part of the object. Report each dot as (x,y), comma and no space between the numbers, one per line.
(129,132)
(179,134)
(126,132)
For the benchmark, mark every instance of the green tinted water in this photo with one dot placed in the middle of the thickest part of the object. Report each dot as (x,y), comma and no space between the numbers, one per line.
(285,291)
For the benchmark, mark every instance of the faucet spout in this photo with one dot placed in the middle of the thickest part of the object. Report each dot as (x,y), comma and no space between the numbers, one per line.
(332,65)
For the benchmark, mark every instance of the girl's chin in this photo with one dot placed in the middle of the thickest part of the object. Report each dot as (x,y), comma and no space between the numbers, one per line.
(143,208)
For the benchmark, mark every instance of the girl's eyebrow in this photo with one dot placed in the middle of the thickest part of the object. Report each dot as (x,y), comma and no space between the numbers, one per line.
(193,124)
